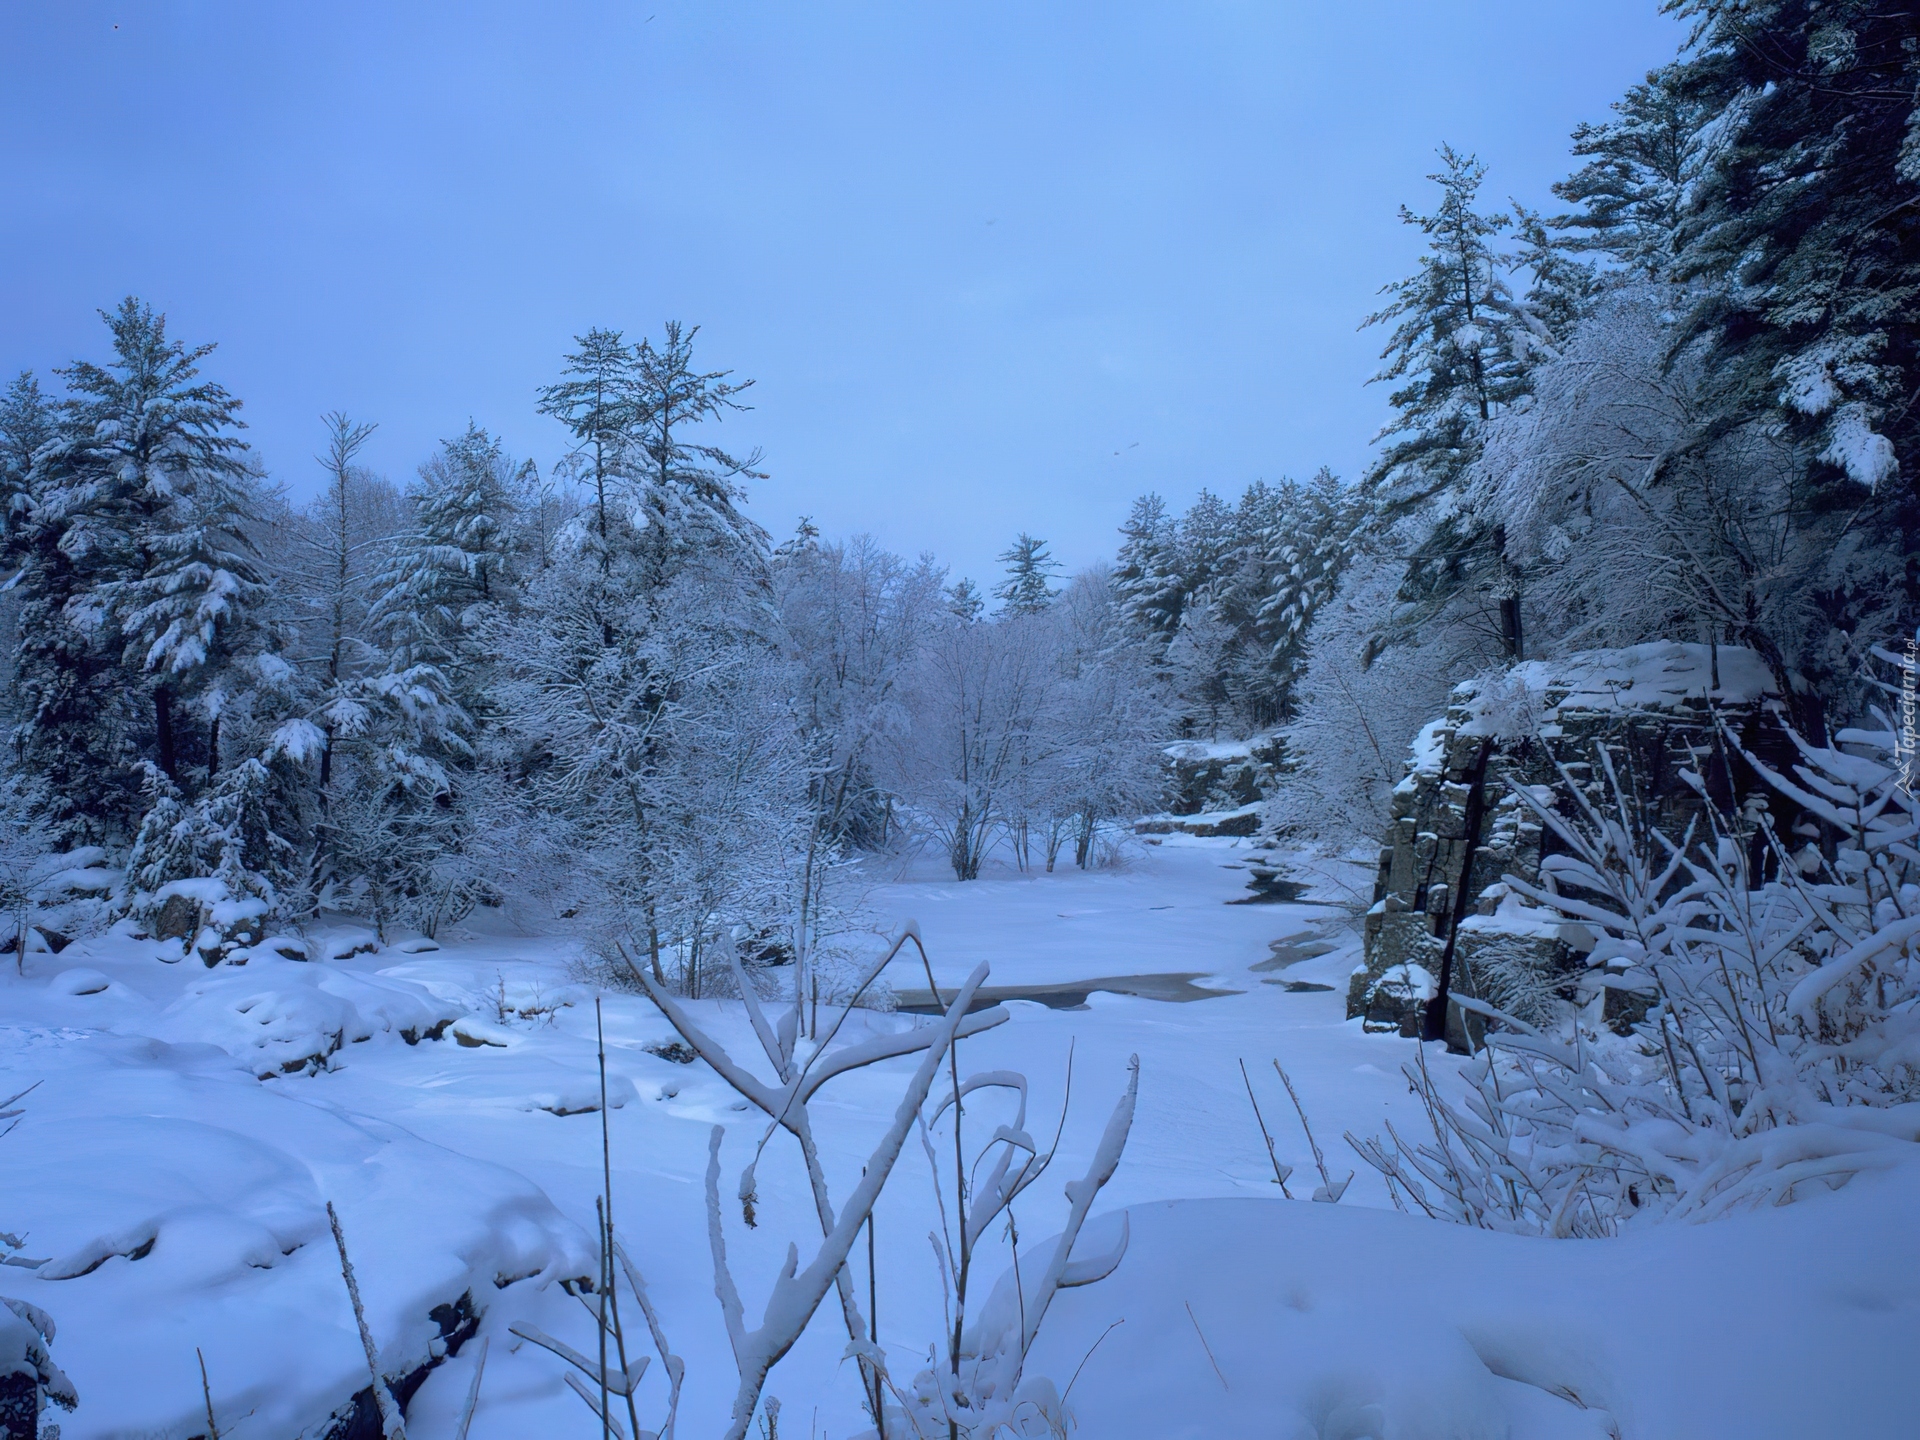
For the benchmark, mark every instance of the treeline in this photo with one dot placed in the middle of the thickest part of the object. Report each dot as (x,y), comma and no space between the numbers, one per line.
(604,686)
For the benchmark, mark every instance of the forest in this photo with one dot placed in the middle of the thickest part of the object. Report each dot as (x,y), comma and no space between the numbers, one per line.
(606,702)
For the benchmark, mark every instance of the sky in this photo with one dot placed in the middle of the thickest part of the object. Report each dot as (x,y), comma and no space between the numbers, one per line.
(993,267)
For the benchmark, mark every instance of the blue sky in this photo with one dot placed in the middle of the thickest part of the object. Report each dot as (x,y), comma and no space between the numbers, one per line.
(994,266)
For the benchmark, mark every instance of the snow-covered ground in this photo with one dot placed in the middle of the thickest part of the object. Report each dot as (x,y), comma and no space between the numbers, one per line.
(180,1196)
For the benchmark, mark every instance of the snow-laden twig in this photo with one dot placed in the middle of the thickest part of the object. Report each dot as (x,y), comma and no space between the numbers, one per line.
(797,1292)
(983,1387)
(1280,1172)
(785,1103)
(1329,1190)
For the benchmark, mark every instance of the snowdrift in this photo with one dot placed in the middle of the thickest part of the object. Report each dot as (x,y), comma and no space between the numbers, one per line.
(178,1202)
(1298,1321)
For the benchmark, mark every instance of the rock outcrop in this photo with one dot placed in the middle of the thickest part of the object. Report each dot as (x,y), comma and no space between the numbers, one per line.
(1217,787)
(1442,918)
(1222,775)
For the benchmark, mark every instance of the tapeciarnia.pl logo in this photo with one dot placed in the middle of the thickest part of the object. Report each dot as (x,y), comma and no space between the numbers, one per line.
(1906,727)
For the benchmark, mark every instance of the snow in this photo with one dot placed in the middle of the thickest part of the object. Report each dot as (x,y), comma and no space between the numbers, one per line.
(1659,675)
(1214,749)
(1429,753)
(460,1162)
(1340,1321)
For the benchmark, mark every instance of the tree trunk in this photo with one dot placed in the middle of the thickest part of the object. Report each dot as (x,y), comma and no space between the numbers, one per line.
(163,729)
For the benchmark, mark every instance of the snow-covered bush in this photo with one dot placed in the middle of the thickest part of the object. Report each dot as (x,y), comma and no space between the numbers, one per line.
(1780,1046)
(205,872)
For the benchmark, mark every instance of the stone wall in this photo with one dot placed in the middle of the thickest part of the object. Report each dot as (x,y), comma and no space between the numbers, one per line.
(1458,828)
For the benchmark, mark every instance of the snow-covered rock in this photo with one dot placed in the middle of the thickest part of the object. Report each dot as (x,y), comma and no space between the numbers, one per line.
(280,1016)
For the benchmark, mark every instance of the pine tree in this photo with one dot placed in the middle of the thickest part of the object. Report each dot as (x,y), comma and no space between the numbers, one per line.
(1208,542)
(186,616)
(1140,578)
(170,844)
(1451,345)
(1632,189)
(450,578)
(1153,584)
(1308,549)
(1462,348)
(1028,589)
(690,492)
(598,402)
(246,814)
(27,419)
(1561,290)
(338,583)
(804,543)
(964,601)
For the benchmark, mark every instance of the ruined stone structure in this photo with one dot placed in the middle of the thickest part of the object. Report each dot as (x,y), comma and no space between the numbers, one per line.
(1442,918)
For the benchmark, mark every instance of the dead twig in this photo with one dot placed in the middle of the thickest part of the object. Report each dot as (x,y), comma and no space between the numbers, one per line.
(392,1427)
(1280,1172)
(1203,1344)
(1330,1189)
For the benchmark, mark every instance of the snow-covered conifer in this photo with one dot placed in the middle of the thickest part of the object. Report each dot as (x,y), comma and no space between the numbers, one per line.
(450,578)
(1308,545)
(596,400)
(964,601)
(27,419)
(1146,572)
(689,491)
(1028,588)
(136,574)
(1461,348)
(1631,190)
(1799,227)
(1449,349)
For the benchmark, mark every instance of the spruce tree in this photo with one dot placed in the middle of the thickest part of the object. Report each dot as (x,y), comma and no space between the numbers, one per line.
(135,574)
(1028,588)
(1804,227)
